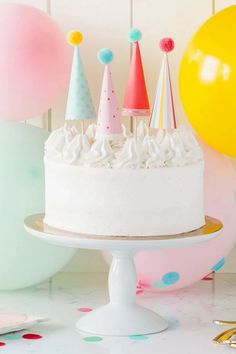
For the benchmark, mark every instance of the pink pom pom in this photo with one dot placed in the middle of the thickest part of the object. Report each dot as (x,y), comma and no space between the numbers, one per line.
(167,44)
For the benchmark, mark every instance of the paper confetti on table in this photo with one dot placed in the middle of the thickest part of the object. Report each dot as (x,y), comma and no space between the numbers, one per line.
(138,337)
(85,309)
(32,336)
(92,339)
(12,336)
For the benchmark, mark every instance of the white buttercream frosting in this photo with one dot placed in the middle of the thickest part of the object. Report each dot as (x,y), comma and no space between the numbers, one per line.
(57,140)
(91,132)
(75,150)
(142,130)
(131,155)
(100,154)
(154,154)
(174,148)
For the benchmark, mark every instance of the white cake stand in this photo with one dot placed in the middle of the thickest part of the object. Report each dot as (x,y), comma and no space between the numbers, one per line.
(121,316)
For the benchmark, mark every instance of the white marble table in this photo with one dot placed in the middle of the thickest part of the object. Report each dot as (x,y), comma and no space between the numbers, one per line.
(189,311)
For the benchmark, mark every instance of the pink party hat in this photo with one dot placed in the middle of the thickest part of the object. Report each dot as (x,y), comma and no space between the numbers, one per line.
(136,99)
(163,114)
(108,123)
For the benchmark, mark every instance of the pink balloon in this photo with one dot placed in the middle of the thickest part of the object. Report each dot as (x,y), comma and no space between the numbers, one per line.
(34,62)
(173,269)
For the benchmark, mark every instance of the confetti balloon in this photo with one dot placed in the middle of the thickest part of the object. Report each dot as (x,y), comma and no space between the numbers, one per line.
(172,269)
(24,260)
(34,62)
(207,81)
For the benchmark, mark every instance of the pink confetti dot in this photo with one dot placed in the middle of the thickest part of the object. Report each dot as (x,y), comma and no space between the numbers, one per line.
(2,344)
(31,336)
(85,309)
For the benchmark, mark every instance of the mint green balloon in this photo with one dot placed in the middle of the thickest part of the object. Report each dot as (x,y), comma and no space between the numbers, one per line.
(24,260)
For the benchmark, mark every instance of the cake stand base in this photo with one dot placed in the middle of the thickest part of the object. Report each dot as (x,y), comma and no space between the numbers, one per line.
(122,316)
(119,320)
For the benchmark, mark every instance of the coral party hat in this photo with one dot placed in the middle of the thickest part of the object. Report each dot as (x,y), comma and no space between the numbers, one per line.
(108,123)
(136,99)
(79,102)
(163,114)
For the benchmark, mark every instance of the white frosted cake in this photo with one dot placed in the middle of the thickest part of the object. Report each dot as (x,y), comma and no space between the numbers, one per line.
(144,186)
(106,181)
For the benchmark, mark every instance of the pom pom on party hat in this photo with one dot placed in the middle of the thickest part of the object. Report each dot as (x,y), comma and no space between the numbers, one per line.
(79,101)
(163,114)
(108,123)
(136,99)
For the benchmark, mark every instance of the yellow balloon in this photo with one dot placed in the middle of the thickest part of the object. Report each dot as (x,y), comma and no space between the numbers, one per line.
(207,81)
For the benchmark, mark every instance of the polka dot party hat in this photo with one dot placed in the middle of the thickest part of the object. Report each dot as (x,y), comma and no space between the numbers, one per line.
(136,101)
(79,102)
(108,123)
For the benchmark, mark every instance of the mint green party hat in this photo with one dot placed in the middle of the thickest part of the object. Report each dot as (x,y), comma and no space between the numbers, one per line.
(79,101)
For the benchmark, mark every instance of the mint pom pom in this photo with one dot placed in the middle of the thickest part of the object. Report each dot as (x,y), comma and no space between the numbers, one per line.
(135,35)
(105,56)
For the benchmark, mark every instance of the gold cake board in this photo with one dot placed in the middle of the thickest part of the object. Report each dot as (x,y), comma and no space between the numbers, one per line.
(36,223)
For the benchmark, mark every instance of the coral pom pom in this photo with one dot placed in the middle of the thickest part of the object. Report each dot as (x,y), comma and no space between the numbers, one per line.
(135,35)
(74,38)
(167,44)
(105,56)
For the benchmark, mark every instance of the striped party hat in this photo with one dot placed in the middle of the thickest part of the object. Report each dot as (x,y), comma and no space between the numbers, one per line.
(163,114)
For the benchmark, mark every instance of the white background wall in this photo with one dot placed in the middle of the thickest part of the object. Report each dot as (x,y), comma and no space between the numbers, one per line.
(105,23)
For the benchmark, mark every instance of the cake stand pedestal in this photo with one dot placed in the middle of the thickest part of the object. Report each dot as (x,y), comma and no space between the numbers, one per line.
(121,316)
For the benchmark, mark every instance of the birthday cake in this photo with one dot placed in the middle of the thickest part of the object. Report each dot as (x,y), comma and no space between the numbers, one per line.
(106,180)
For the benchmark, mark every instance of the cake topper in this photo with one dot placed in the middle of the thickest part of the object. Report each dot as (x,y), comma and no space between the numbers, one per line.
(79,102)
(108,123)
(163,114)
(136,99)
